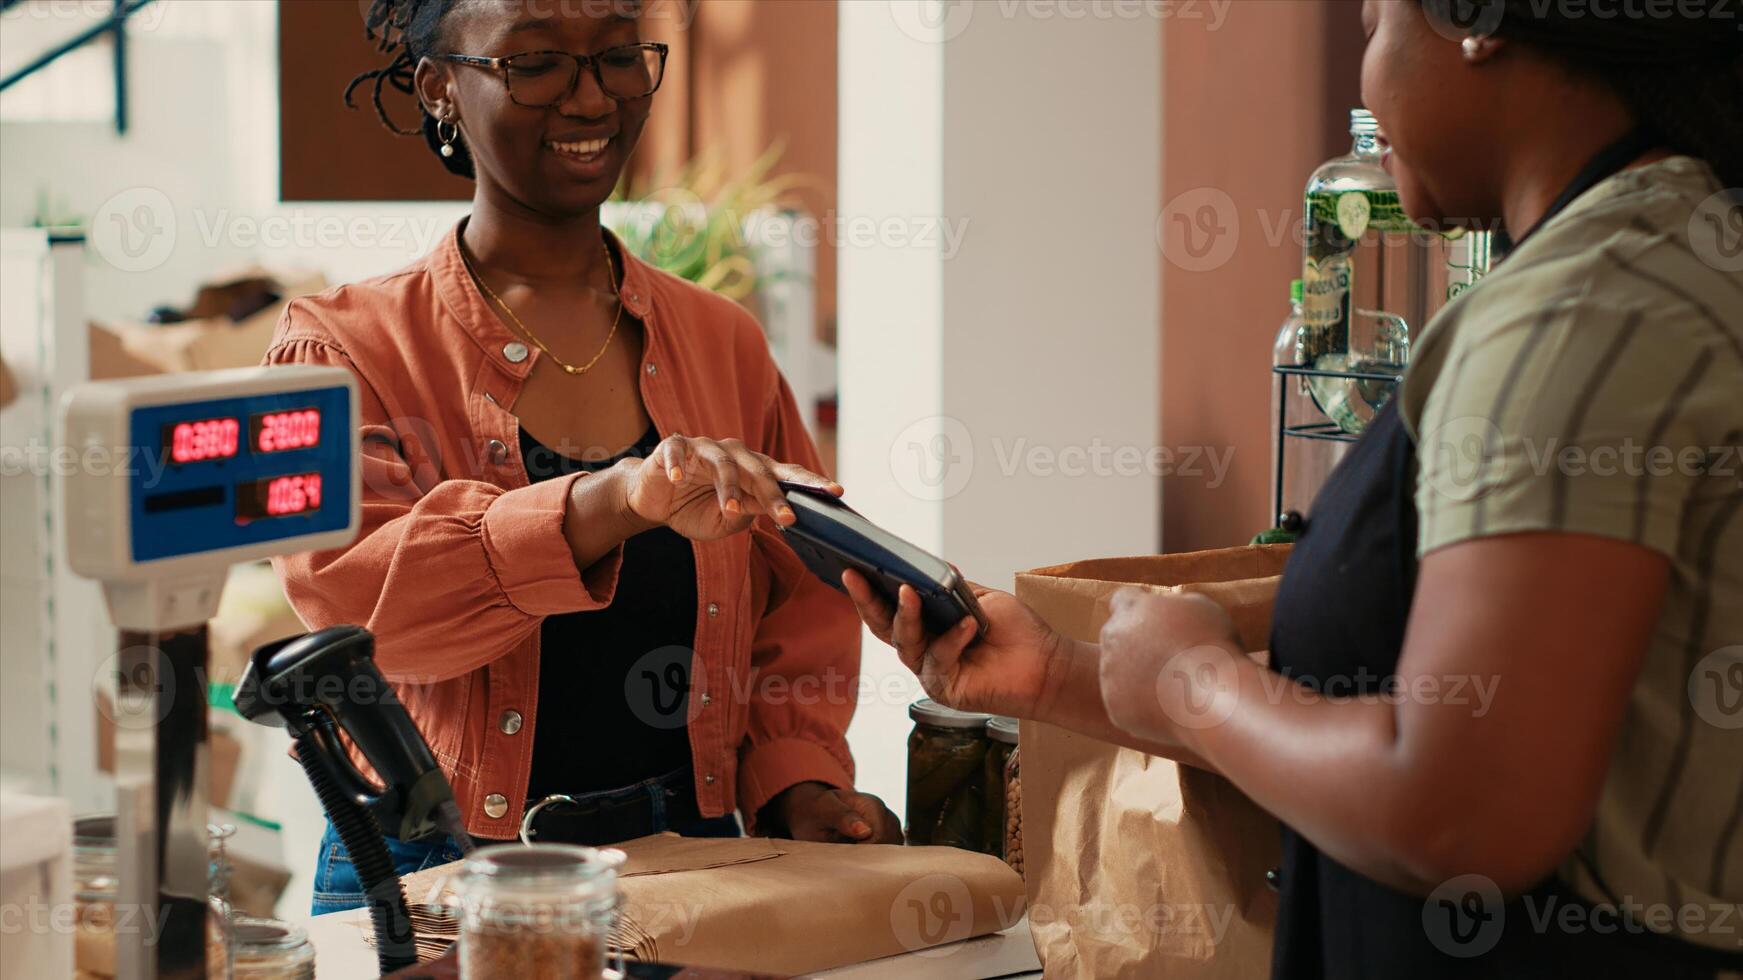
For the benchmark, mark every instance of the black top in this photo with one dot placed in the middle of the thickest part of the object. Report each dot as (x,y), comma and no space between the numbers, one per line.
(614,683)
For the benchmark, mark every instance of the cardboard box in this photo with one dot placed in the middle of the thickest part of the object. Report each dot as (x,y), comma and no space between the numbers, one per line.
(110,359)
(208,342)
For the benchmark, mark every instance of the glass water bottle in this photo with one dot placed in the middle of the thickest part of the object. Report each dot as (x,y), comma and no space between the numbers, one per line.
(1303,464)
(1469,260)
(1367,270)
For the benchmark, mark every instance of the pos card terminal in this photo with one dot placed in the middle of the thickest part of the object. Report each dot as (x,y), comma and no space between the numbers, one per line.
(831,537)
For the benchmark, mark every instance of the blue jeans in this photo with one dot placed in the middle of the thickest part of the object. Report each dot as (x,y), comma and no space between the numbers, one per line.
(337,887)
(336,884)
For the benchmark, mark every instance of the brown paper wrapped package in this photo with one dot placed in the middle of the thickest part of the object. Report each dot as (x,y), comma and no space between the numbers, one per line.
(1137,866)
(790,907)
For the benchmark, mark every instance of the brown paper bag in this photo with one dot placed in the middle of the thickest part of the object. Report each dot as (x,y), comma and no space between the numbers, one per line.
(1137,866)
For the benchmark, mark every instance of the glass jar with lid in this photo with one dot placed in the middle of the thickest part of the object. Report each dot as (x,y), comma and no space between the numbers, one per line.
(536,911)
(946,783)
(1001,733)
(96,885)
(1013,846)
(266,949)
(97,888)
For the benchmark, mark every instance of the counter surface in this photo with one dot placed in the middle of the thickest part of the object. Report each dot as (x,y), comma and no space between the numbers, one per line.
(340,951)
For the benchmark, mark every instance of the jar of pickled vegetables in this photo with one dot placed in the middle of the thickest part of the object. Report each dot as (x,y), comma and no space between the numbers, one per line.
(1001,733)
(946,776)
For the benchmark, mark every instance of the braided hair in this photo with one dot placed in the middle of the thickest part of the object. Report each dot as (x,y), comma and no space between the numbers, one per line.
(409,30)
(1681,75)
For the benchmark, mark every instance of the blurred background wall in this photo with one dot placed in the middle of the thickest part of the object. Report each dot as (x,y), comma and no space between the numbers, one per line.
(236,116)
(1250,109)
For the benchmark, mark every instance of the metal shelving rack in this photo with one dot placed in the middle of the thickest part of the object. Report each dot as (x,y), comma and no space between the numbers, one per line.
(1324,431)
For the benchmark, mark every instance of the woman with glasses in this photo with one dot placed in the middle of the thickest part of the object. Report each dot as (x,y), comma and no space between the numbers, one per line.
(1503,717)
(569,553)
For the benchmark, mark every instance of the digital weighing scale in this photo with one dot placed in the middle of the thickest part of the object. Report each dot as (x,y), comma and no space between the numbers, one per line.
(173,479)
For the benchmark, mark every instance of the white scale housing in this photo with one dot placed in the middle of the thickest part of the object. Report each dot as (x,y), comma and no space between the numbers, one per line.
(164,488)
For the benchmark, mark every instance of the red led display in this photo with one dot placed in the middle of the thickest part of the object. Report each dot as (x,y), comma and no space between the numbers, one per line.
(192,442)
(278,496)
(273,432)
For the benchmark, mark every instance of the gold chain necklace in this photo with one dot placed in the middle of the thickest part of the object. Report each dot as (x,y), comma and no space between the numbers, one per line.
(611,273)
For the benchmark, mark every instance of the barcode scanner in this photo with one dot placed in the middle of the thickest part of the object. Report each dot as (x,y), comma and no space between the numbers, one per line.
(317,684)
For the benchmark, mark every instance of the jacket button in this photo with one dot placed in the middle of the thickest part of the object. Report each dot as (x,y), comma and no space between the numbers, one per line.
(709,779)
(713,609)
(515,351)
(653,370)
(498,450)
(707,699)
(495,805)
(510,722)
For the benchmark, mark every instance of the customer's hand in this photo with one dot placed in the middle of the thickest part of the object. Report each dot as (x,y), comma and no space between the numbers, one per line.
(1005,672)
(1167,663)
(706,489)
(820,812)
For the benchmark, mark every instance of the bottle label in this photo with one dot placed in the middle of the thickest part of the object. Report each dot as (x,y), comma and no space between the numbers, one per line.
(1377,210)
(1325,305)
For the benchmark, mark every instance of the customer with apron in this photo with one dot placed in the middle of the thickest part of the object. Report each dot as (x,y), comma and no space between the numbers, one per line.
(568,553)
(1526,581)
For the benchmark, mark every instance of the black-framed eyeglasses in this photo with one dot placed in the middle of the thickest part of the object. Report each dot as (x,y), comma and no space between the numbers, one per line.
(540,79)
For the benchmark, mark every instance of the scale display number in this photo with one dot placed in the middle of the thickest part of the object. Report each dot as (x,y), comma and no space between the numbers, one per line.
(197,441)
(278,496)
(275,432)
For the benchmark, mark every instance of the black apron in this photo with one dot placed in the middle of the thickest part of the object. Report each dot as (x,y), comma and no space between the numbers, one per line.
(1339,625)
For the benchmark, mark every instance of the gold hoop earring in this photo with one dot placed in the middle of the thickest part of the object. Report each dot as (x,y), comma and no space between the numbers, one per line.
(448,140)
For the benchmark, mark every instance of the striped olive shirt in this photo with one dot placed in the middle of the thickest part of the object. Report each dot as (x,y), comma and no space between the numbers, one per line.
(1593,384)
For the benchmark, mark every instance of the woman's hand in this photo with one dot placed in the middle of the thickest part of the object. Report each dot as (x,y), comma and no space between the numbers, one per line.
(1006,672)
(819,812)
(706,489)
(1167,663)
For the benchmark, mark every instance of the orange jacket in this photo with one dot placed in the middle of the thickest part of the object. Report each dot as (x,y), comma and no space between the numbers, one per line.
(459,560)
